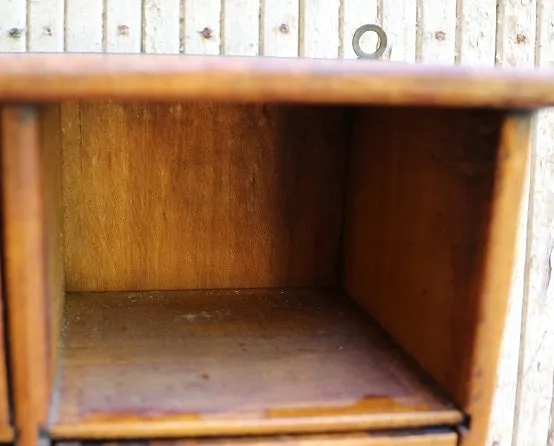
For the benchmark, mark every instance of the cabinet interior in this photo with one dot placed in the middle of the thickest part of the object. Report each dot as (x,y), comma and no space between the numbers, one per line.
(232,268)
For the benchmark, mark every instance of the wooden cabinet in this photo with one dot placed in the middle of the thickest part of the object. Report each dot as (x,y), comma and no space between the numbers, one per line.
(205,250)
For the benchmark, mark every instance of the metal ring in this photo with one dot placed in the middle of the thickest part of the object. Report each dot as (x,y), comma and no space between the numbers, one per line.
(381,43)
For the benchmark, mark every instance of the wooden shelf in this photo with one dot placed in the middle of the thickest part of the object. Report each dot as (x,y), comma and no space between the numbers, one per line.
(45,77)
(179,363)
(393,438)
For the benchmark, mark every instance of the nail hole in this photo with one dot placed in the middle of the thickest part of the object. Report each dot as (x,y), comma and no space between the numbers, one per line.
(206,33)
(521,38)
(440,36)
(16,33)
(122,30)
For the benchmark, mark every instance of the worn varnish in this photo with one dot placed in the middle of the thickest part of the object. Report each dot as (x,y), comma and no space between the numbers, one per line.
(201,195)
(442,437)
(418,200)
(172,77)
(169,363)
(431,208)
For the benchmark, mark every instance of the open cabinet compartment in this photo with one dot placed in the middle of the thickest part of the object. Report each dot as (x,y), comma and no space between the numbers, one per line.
(215,268)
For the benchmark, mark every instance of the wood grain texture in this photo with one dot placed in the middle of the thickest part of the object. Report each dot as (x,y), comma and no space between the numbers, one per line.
(511,165)
(233,362)
(241,196)
(436,226)
(395,438)
(6,431)
(25,274)
(51,190)
(418,201)
(127,76)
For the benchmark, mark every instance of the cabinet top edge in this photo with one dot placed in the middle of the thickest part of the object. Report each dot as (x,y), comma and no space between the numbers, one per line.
(29,77)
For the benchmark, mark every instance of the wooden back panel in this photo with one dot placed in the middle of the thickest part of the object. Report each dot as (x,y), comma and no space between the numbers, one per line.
(201,195)
(430,224)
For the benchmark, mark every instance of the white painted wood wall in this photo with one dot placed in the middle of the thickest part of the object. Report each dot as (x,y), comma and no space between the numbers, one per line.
(508,33)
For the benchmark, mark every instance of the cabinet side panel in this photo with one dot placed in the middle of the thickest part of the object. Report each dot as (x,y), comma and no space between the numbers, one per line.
(201,195)
(421,224)
(5,430)
(29,266)
(511,163)
(51,168)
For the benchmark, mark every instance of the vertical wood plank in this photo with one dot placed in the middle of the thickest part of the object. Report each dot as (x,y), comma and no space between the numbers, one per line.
(476,32)
(6,432)
(319,28)
(241,27)
(356,13)
(534,422)
(83,27)
(399,22)
(123,26)
(202,33)
(515,39)
(162,26)
(503,408)
(13,26)
(536,357)
(436,39)
(280,28)
(515,48)
(515,43)
(46,25)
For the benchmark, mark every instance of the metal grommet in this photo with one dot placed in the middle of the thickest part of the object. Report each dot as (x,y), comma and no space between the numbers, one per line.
(381,43)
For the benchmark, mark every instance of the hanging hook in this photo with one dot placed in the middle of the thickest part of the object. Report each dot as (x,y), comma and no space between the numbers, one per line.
(381,42)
